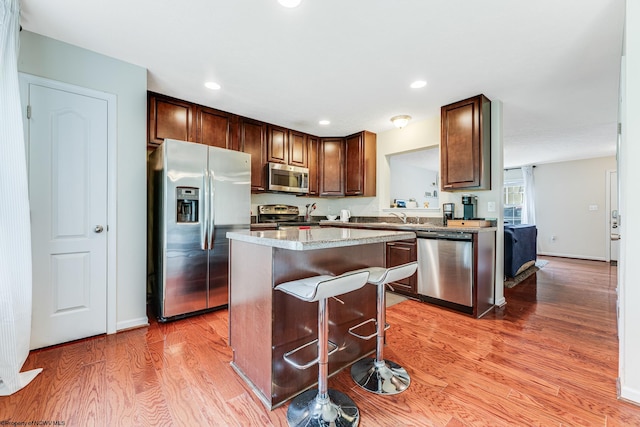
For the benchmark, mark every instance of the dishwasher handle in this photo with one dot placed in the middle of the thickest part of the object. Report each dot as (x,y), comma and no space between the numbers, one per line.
(445,235)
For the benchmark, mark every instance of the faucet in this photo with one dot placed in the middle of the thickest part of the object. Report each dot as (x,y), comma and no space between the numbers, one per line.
(310,208)
(401,215)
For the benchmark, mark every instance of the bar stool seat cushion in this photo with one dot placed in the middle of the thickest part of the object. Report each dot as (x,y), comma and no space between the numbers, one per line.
(320,287)
(382,276)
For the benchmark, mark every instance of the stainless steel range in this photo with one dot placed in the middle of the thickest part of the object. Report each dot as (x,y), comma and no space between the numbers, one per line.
(277,214)
(282,215)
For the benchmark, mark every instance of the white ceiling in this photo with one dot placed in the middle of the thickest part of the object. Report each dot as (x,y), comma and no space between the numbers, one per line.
(553,63)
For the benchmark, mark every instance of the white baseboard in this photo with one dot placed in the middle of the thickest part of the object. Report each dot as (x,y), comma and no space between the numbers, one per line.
(592,258)
(501,302)
(630,395)
(132,323)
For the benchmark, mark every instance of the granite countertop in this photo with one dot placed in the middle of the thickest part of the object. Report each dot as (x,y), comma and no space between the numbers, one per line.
(405,227)
(309,238)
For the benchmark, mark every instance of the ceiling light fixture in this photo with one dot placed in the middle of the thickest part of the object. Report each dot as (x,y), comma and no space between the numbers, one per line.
(418,84)
(212,85)
(400,121)
(289,3)
(324,122)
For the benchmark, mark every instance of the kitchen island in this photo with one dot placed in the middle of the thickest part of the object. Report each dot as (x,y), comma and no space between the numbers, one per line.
(265,323)
(456,264)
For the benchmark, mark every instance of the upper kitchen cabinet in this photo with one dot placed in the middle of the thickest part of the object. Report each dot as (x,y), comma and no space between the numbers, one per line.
(465,147)
(298,149)
(360,164)
(214,127)
(170,118)
(252,140)
(277,144)
(330,167)
(313,147)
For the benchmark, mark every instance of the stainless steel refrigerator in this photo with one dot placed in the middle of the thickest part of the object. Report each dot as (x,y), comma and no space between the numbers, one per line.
(196,194)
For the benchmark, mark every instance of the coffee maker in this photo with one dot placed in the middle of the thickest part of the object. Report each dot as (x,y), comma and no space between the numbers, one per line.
(448,210)
(469,203)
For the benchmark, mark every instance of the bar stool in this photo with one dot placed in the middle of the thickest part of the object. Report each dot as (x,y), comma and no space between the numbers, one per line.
(378,375)
(322,407)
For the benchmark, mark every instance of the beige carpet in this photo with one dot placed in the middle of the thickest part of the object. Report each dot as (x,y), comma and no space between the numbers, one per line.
(510,282)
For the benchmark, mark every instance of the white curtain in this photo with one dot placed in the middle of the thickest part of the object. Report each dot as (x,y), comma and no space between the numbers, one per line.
(529,207)
(15,233)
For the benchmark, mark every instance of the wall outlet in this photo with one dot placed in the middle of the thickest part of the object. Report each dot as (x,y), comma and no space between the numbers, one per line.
(593,207)
(491,206)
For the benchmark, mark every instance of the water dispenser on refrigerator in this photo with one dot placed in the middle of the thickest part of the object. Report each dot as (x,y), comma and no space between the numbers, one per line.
(187,204)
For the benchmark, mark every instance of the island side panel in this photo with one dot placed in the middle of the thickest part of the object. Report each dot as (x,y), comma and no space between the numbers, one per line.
(296,322)
(250,310)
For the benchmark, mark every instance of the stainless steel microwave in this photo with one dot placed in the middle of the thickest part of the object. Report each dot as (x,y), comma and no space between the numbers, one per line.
(288,179)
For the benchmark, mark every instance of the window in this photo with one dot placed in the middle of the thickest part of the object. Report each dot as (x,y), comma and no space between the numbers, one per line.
(513,196)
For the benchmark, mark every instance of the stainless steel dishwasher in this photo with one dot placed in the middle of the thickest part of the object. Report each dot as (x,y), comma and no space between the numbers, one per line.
(445,269)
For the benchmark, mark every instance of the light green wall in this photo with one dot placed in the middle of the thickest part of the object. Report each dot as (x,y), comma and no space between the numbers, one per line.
(52,59)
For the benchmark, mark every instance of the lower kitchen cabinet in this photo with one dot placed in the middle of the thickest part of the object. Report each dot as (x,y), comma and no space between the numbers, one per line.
(398,253)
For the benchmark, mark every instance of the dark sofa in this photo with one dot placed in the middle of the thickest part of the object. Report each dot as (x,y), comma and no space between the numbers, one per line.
(519,248)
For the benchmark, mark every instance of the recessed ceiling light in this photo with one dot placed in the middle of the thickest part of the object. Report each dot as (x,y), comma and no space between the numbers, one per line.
(212,85)
(324,122)
(418,84)
(289,3)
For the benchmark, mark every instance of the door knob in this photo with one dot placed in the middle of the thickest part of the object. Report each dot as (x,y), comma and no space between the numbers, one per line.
(98,229)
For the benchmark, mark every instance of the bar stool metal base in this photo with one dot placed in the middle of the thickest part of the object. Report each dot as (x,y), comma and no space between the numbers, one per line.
(385,377)
(309,410)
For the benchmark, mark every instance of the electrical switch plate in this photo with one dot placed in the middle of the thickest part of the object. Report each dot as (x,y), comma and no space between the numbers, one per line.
(491,206)
(593,207)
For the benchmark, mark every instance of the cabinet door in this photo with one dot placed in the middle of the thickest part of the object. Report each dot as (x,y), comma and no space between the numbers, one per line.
(465,147)
(297,149)
(331,160)
(354,162)
(360,164)
(277,147)
(214,127)
(399,253)
(169,118)
(313,146)
(252,141)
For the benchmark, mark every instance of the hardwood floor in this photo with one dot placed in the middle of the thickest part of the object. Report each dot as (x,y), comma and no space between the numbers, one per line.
(549,357)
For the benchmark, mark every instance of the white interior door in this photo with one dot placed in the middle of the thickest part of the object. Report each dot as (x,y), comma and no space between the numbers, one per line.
(67,137)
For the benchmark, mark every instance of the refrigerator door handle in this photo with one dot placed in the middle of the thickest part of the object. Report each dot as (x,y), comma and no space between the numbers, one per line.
(212,210)
(204,224)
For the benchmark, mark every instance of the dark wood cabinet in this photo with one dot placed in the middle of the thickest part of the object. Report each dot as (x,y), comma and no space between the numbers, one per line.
(214,127)
(298,149)
(330,167)
(277,145)
(313,146)
(465,146)
(252,140)
(337,166)
(169,118)
(399,253)
(286,146)
(360,164)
